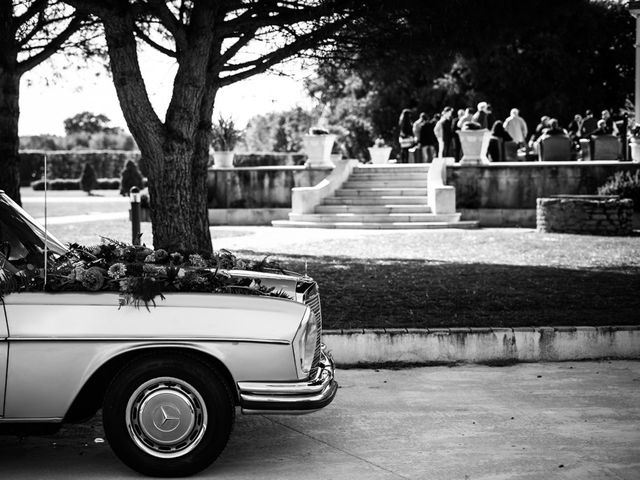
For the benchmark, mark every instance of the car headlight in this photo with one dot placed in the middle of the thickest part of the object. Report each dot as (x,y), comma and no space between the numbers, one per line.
(304,344)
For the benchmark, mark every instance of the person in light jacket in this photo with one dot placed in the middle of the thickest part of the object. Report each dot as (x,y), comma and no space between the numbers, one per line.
(516,127)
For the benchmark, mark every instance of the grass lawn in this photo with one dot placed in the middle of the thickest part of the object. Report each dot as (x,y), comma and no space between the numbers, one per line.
(439,278)
(413,293)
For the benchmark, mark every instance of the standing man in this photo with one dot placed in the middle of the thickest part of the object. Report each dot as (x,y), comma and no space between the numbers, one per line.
(417,127)
(589,124)
(612,129)
(481,117)
(455,127)
(516,127)
(443,132)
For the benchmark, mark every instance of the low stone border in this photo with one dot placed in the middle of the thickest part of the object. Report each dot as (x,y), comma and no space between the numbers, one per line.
(481,345)
(247,216)
(595,214)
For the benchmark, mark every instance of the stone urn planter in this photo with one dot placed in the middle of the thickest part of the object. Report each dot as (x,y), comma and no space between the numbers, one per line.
(318,149)
(379,154)
(222,159)
(474,146)
(634,145)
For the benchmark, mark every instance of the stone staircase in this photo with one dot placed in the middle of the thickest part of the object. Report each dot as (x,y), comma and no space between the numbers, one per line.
(378,197)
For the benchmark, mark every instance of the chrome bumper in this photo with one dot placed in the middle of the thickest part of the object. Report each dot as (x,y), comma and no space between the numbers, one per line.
(291,397)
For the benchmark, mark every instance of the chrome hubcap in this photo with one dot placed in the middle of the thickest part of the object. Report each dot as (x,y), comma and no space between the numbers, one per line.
(166,417)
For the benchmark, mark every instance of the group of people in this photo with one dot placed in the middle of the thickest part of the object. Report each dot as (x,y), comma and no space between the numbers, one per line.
(437,135)
(583,126)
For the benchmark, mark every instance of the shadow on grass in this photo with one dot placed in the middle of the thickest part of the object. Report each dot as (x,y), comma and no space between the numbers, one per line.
(359,293)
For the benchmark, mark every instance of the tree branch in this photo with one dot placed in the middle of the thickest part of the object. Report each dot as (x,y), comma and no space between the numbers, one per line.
(255,18)
(262,64)
(97,7)
(153,44)
(142,120)
(171,23)
(229,53)
(53,46)
(36,28)
(40,25)
(38,6)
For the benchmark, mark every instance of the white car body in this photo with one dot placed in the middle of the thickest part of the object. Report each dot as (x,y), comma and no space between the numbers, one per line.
(60,352)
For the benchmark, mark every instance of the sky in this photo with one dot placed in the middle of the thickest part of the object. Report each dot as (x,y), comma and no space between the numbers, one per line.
(49,94)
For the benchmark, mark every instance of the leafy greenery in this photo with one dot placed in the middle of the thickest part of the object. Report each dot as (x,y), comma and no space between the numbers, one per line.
(88,122)
(624,184)
(545,58)
(69,165)
(225,135)
(88,180)
(74,184)
(131,177)
(279,131)
(31,33)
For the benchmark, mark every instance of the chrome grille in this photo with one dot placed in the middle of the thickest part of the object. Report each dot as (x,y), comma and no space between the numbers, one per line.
(311,298)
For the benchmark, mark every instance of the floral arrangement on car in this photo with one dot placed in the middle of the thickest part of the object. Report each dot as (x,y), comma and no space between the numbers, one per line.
(142,274)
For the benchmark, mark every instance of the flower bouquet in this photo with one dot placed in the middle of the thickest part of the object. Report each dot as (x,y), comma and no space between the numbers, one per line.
(140,274)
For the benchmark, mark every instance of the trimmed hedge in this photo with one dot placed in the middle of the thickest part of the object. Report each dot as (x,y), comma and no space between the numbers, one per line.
(74,184)
(69,164)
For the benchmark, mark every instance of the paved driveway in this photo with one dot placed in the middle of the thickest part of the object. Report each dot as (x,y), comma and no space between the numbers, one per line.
(527,421)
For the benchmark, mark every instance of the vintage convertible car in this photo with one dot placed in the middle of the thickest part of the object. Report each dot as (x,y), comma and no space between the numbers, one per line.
(168,379)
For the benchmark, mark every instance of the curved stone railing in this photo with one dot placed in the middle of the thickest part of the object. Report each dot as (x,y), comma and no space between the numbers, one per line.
(305,199)
(441,197)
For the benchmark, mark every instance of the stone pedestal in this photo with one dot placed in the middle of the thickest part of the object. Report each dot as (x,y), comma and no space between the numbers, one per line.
(223,159)
(379,154)
(634,146)
(318,149)
(475,144)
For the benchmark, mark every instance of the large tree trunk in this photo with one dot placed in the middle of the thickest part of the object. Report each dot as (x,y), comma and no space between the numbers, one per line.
(176,161)
(179,214)
(9,139)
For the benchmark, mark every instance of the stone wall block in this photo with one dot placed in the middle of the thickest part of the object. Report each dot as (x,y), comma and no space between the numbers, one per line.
(600,216)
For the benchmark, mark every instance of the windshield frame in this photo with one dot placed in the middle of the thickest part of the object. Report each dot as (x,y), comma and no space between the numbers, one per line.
(26,221)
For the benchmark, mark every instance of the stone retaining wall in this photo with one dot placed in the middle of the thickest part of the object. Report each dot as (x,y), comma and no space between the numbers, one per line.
(259,187)
(595,215)
(517,185)
(501,186)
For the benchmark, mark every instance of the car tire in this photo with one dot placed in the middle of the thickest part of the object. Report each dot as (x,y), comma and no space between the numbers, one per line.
(168,416)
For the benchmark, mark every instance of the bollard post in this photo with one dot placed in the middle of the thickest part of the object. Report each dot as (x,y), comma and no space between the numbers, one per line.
(134,196)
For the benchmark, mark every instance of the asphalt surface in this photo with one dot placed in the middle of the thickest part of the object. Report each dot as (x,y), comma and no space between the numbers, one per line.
(577,420)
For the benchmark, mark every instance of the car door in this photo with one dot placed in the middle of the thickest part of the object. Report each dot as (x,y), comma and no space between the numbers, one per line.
(4,352)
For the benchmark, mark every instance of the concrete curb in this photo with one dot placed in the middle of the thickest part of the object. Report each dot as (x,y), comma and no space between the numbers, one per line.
(482,345)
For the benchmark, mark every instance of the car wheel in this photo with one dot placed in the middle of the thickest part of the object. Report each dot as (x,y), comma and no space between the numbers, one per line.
(168,416)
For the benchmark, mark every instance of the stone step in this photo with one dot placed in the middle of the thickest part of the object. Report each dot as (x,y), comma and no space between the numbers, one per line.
(374,217)
(380,191)
(420,208)
(385,176)
(378,226)
(365,184)
(393,169)
(379,200)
